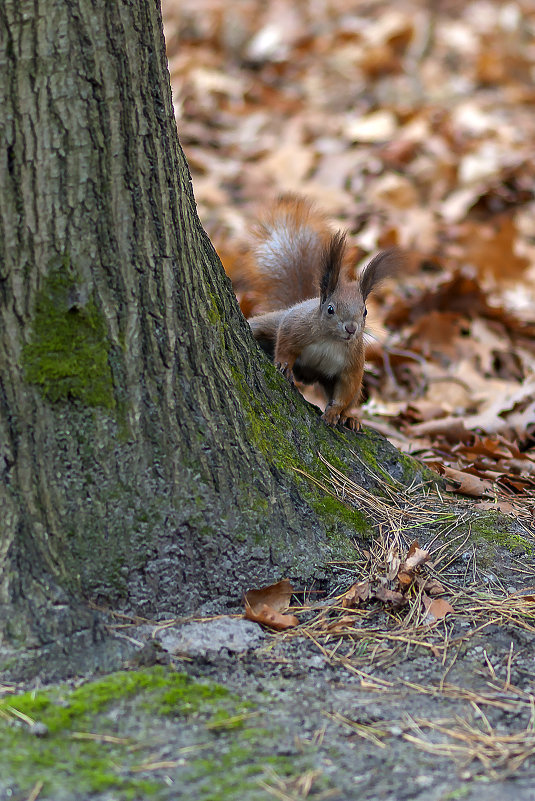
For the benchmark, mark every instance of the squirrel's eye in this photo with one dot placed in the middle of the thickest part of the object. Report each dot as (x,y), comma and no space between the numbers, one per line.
(365,311)
(330,309)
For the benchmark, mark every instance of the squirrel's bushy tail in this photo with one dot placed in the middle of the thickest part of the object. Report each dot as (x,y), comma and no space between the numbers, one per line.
(287,251)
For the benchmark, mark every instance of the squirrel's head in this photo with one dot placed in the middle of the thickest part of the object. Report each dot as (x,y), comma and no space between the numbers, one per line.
(343,302)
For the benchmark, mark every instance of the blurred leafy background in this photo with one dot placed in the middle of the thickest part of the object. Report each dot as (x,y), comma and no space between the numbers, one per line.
(409,123)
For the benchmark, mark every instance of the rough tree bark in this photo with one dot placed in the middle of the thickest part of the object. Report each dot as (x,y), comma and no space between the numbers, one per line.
(147,449)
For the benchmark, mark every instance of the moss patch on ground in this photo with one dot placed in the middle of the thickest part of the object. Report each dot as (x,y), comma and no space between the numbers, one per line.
(497,529)
(82,748)
(138,735)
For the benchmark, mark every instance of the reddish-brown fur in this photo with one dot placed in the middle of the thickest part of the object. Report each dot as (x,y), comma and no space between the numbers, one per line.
(315,316)
(286,251)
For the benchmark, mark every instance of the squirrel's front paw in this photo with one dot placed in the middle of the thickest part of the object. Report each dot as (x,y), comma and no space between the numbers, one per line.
(286,371)
(352,422)
(331,415)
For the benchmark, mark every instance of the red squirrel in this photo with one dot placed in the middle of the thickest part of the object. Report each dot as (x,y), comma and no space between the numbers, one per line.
(295,259)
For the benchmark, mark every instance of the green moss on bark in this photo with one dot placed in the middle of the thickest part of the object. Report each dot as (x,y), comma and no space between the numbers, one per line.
(333,512)
(67,356)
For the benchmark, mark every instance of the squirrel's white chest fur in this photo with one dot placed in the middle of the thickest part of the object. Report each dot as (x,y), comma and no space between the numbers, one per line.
(328,357)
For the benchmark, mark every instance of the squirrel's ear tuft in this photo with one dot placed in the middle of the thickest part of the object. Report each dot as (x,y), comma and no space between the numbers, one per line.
(331,264)
(382,266)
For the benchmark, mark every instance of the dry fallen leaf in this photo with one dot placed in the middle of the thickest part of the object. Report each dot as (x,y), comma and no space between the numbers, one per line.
(275,595)
(265,604)
(452,428)
(467,484)
(397,599)
(416,557)
(431,586)
(268,617)
(393,562)
(357,593)
(437,608)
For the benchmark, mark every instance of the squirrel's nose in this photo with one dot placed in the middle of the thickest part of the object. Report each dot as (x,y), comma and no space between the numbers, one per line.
(350,328)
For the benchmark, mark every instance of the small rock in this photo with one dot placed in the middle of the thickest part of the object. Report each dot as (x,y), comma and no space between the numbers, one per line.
(152,653)
(424,781)
(39,729)
(211,637)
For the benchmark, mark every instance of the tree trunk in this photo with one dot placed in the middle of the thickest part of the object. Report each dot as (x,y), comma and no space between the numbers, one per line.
(147,449)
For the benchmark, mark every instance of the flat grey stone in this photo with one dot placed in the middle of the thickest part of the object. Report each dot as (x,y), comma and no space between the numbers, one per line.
(211,637)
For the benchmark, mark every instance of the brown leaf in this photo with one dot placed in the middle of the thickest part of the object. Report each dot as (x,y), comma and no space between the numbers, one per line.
(437,608)
(277,596)
(397,599)
(265,604)
(438,332)
(268,617)
(394,190)
(430,585)
(405,579)
(491,247)
(468,484)
(493,447)
(496,506)
(357,593)
(416,556)
(452,428)
(289,164)
(393,563)
(422,411)
(517,483)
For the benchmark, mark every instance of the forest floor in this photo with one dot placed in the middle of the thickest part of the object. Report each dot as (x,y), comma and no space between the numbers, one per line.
(363,699)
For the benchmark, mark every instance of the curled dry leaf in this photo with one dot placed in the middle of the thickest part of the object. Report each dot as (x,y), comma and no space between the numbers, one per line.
(431,586)
(268,617)
(275,595)
(393,564)
(416,557)
(397,599)
(468,484)
(360,591)
(265,604)
(437,608)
